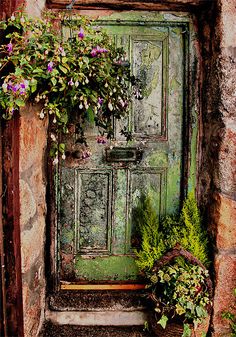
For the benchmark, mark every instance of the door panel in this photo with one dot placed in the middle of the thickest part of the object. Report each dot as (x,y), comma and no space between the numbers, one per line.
(97,196)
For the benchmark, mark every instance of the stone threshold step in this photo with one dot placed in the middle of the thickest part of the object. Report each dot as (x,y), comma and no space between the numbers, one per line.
(54,330)
(98,318)
(97,300)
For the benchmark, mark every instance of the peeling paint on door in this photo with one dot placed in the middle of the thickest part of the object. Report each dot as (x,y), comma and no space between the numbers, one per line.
(97,196)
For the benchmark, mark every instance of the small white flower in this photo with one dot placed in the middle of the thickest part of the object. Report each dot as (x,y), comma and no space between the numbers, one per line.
(81,106)
(41,115)
(110,106)
(13,18)
(53,137)
(87,81)
(50,112)
(106,85)
(86,106)
(44,96)
(55,161)
(114,90)
(54,120)
(111,93)
(22,19)
(63,156)
(76,83)
(4,86)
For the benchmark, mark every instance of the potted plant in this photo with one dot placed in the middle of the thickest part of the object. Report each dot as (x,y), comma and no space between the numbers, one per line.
(178,285)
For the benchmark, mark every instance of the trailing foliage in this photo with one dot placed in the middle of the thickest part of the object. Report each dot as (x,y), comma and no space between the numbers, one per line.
(180,290)
(81,73)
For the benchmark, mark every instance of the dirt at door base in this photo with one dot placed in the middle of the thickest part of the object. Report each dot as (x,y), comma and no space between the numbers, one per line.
(51,330)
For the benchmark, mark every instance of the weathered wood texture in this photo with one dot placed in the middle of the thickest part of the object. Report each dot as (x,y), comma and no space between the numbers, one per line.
(11,229)
(133,4)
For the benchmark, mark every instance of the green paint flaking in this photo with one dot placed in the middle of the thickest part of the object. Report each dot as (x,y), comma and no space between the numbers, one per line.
(96,268)
(158,159)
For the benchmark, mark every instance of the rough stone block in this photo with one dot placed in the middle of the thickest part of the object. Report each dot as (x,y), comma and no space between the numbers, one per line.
(33,138)
(27,203)
(226,229)
(224,299)
(32,242)
(228,160)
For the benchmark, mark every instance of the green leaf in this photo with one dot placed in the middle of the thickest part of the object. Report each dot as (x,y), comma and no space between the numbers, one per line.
(63,69)
(19,102)
(64,59)
(90,115)
(163,321)
(61,147)
(18,71)
(201,312)
(54,81)
(187,331)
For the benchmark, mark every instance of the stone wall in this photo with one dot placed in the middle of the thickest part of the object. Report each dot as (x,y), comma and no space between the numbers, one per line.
(225,234)
(33,141)
(218,170)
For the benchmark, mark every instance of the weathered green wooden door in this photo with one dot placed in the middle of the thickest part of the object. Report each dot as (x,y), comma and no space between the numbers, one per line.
(98,194)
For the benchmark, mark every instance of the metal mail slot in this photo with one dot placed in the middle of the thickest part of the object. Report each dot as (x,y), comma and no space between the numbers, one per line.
(123,154)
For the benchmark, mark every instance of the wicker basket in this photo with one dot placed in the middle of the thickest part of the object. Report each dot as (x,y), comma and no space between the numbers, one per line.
(174,326)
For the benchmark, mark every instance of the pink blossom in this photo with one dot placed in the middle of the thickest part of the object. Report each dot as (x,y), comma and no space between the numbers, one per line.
(62,51)
(100,100)
(9,47)
(101,140)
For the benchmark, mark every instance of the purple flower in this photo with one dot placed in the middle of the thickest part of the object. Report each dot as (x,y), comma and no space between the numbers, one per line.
(9,47)
(100,100)
(15,87)
(94,52)
(81,33)
(71,82)
(101,140)
(98,50)
(9,85)
(50,66)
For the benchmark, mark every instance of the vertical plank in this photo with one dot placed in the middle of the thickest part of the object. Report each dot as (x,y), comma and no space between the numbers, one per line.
(2,268)
(11,228)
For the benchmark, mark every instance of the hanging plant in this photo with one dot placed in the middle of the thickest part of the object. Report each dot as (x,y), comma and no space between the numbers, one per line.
(83,73)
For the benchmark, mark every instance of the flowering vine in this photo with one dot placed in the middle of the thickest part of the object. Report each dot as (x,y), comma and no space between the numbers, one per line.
(81,74)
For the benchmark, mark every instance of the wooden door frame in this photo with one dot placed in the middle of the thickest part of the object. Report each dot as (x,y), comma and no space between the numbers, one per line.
(10,248)
(12,323)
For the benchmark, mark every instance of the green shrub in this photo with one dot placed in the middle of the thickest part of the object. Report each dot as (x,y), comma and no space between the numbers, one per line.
(157,237)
